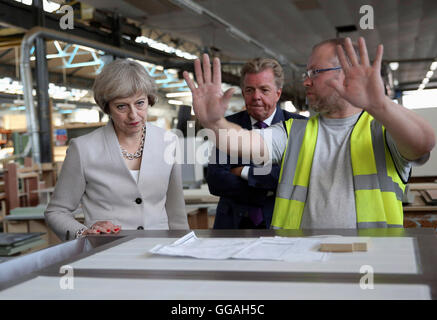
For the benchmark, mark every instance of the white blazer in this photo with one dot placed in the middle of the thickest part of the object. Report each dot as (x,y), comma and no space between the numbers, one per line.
(95,174)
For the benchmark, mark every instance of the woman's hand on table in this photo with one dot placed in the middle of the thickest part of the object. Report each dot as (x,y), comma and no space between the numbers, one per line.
(102,227)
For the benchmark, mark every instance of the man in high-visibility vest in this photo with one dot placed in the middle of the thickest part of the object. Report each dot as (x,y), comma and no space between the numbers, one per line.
(347,166)
(247,199)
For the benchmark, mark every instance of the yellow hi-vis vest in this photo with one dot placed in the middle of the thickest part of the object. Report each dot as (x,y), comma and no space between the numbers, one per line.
(378,187)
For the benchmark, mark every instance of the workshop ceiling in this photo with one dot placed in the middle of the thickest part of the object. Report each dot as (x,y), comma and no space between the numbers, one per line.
(290,28)
(283,29)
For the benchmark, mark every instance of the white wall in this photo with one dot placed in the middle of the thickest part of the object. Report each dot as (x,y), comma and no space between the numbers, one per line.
(429,168)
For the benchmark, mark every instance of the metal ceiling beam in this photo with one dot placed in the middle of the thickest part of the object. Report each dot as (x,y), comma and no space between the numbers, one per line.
(20,15)
(42,88)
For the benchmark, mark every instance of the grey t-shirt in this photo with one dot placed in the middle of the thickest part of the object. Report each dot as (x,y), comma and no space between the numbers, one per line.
(331,200)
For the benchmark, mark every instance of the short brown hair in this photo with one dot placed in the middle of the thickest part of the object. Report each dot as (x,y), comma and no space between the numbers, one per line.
(336,42)
(260,64)
(120,79)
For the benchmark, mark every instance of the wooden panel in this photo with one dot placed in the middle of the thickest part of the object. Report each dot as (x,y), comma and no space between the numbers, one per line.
(11,187)
(198,219)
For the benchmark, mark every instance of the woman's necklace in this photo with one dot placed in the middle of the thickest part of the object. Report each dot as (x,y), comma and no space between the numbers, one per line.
(137,154)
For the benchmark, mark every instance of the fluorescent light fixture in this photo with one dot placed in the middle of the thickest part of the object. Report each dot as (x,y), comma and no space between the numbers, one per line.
(176,102)
(178,94)
(394,65)
(429,74)
(433,66)
(165,48)
(50,6)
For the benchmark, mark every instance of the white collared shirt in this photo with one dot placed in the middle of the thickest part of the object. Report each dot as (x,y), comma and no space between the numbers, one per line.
(268,121)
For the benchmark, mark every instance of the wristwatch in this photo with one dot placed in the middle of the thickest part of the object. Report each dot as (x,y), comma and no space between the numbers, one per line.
(79,233)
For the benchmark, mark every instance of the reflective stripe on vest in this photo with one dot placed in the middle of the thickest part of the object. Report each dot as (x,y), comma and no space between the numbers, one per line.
(378,188)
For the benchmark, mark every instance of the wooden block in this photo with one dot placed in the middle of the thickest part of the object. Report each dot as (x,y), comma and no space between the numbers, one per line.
(422,186)
(336,247)
(360,246)
(346,244)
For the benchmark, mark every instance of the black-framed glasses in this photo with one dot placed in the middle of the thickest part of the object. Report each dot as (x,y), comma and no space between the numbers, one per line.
(312,73)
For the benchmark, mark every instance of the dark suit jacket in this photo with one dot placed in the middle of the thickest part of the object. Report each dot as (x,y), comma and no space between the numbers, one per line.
(237,195)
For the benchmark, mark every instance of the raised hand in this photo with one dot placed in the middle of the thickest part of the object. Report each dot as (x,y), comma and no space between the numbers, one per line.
(209,101)
(363,86)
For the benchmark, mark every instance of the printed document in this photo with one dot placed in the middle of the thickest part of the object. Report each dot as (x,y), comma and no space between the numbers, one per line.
(264,248)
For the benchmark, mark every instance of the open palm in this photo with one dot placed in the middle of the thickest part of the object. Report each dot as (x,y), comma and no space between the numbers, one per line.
(363,86)
(209,101)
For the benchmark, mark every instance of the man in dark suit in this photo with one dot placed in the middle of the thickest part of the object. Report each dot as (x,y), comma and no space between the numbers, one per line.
(246,199)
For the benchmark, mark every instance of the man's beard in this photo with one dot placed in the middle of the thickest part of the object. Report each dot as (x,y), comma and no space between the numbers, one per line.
(325,105)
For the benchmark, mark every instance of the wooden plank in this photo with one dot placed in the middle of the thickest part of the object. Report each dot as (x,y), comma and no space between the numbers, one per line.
(344,245)
(422,186)
(11,187)
(30,185)
(432,194)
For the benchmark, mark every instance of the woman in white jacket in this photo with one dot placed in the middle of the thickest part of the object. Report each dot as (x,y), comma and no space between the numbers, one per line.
(125,174)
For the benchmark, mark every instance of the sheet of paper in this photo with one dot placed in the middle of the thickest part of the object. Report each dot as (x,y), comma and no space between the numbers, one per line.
(284,249)
(264,248)
(203,248)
